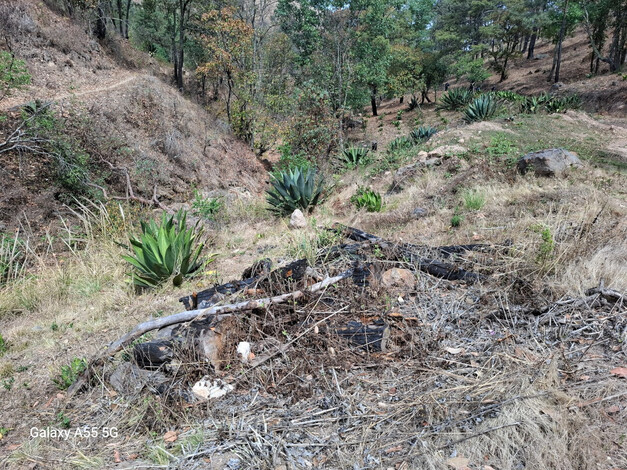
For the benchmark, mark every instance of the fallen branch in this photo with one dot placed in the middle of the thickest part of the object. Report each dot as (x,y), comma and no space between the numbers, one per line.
(190,315)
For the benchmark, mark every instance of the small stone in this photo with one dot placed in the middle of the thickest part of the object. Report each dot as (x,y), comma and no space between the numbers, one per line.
(297,220)
(419,212)
(397,277)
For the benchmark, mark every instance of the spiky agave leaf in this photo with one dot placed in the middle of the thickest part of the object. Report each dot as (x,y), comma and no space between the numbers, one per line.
(455,99)
(481,109)
(299,188)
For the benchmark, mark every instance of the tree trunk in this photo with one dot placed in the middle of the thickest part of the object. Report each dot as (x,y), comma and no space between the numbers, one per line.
(525,44)
(179,81)
(373,100)
(126,18)
(558,55)
(101,25)
(532,43)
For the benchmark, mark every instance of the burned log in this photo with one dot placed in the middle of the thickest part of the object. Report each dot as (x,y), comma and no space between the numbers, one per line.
(371,337)
(414,254)
(292,272)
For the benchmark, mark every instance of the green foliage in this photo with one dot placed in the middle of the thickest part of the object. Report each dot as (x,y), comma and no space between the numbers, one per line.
(207,208)
(481,109)
(355,155)
(12,257)
(532,104)
(456,220)
(3,345)
(422,134)
(166,250)
(400,143)
(298,188)
(473,200)
(368,199)
(13,74)
(562,104)
(511,96)
(455,99)
(69,374)
(547,247)
(413,104)
(63,421)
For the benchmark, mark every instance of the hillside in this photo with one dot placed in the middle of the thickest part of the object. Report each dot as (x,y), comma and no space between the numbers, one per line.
(116,102)
(437,308)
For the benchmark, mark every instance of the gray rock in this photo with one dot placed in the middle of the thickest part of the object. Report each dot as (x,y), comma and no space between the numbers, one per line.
(419,212)
(297,220)
(128,379)
(550,162)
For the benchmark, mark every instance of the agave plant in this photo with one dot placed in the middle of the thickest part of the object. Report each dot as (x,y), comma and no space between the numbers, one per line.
(531,105)
(454,99)
(400,143)
(165,250)
(562,104)
(413,104)
(422,134)
(481,109)
(367,198)
(507,95)
(354,155)
(299,188)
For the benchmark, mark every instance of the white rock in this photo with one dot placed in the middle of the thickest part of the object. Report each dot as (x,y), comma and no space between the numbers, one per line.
(243,349)
(205,390)
(297,219)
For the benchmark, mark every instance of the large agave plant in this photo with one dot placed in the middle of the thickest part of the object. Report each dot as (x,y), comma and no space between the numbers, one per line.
(531,105)
(299,188)
(481,109)
(354,155)
(400,143)
(165,250)
(454,99)
(422,134)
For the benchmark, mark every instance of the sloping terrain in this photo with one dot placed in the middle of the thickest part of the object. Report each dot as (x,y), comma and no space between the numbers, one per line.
(126,118)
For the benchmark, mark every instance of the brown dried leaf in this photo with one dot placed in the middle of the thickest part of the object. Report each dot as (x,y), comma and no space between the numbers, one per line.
(620,371)
(170,436)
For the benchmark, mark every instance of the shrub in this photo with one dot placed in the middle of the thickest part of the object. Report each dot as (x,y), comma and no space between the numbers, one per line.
(13,74)
(562,104)
(3,345)
(481,109)
(456,220)
(455,99)
(164,251)
(367,198)
(69,374)
(12,257)
(354,155)
(207,208)
(422,134)
(299,188)
(531,105)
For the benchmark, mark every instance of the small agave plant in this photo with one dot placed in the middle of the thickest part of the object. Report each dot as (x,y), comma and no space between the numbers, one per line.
(354,155)
(299,188)
(368,199)
(481,109)
(168,250)
(422,134)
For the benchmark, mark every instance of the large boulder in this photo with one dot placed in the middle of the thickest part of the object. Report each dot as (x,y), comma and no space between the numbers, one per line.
(550,162)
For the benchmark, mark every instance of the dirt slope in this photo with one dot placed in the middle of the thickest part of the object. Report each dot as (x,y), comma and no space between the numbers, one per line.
(126,110)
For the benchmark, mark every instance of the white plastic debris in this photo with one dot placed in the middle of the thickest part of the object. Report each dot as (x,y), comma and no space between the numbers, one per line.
(205,389)
(243,349)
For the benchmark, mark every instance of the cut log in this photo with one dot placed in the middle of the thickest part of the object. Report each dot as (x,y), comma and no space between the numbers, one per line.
(413,254)
(292,272)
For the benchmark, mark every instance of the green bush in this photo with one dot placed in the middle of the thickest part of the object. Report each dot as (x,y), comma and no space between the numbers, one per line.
(355,155)
(422,134)
(367,198)
(3,345)
(507,95)
(455,99)
(69,374)
(166,250)
(12,257)
(13,74)
(207,208)
(299,188)
(562,104)
(481,109)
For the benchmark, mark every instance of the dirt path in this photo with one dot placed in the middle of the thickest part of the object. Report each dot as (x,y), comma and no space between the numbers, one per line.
(13,102)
